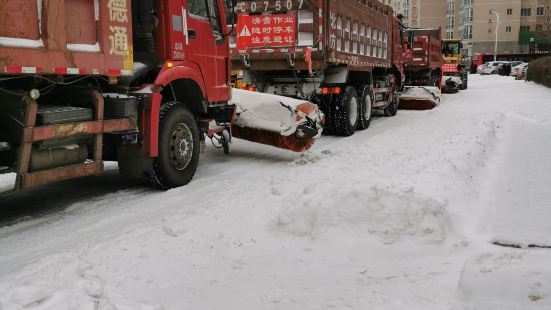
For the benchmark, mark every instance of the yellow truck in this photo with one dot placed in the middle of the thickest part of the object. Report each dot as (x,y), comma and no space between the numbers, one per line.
(454,64)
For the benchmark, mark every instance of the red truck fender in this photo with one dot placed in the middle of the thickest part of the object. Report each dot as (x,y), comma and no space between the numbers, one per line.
(172,71)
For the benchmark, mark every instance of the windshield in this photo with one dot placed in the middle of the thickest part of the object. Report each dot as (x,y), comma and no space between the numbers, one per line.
(451,48)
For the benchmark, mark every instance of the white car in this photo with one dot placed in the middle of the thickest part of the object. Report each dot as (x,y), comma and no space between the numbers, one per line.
(516,70)
(490,67)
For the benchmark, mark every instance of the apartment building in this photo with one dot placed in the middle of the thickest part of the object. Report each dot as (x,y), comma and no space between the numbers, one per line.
(471,21)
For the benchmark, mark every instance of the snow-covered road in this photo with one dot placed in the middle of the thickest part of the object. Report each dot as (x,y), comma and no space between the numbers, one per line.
(402,215)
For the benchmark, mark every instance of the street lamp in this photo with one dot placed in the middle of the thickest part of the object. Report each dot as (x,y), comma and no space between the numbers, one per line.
(494,12)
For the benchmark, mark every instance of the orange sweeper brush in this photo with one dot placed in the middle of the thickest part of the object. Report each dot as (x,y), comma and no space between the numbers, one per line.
(278,121)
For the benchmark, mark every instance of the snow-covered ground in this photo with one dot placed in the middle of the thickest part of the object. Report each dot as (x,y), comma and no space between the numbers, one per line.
(401,216)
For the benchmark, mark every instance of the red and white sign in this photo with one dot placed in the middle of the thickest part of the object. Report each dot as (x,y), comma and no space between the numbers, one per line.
(268,30)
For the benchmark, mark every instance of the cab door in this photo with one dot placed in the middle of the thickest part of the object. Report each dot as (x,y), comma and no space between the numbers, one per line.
(206,46)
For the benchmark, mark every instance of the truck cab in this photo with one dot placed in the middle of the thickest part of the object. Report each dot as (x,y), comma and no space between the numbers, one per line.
(140,82)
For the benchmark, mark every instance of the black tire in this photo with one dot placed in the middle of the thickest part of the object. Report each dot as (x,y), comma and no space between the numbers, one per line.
(392,108)
(326,106)
(345,112)
(464,81)
(365,107)
(226,138)
(177,127)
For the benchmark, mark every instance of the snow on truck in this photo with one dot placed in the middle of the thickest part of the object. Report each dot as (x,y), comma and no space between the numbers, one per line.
(140,82)
(344,55)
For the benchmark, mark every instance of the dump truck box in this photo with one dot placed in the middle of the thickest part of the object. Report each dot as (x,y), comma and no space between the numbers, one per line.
(312,34)
(79,37)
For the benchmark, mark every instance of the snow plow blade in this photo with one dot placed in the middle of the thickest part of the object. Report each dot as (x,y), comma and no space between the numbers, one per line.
(420,98)
(278,121)
(451,84)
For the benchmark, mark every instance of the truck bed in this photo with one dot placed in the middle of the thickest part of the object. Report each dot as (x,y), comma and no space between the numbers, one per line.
(77,37)
(352,32)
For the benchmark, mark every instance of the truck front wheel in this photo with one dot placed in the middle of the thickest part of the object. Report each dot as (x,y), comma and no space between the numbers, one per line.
(179,146)
(392,108)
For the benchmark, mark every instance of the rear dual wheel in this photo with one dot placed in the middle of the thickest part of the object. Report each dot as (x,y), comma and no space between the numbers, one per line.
(365,107)
(345,116)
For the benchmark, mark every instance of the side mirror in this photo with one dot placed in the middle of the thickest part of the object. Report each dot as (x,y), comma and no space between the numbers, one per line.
(231,3)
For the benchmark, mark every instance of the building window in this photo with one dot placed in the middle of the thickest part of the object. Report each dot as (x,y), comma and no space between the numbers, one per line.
(470,14)
(467,32)
(509,11)
(526,12)
(449,34)
(450,22)
(508,29)
(539,27)
(451,7)
(540,11)
(524,28)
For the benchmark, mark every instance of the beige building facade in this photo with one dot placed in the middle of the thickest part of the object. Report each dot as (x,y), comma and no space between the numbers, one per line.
(471,21)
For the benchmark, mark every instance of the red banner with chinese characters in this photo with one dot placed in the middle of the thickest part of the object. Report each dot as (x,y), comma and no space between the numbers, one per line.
(268,30)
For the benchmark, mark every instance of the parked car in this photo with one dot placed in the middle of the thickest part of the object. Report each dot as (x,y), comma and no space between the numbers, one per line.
(490,67)
(516,70)
(521,74)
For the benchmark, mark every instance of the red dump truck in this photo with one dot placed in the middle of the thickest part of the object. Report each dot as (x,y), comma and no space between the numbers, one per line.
(423,63)
(136,81)
(423,68)
(344,55)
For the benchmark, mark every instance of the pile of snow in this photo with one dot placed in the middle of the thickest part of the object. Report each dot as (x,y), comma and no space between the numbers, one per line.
(389,215)
(519,188)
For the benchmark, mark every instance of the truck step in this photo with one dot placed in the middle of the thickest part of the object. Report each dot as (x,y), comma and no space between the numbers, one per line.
(53,115)
(34,179)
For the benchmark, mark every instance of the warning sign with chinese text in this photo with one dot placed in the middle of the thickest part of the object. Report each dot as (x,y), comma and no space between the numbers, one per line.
(268,30)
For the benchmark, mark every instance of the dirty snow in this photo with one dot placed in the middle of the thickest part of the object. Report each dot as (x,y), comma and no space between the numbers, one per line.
(401,216)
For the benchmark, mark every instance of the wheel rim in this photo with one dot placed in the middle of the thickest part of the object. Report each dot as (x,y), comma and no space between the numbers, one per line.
(353,106)
(181,146)
(367,114)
